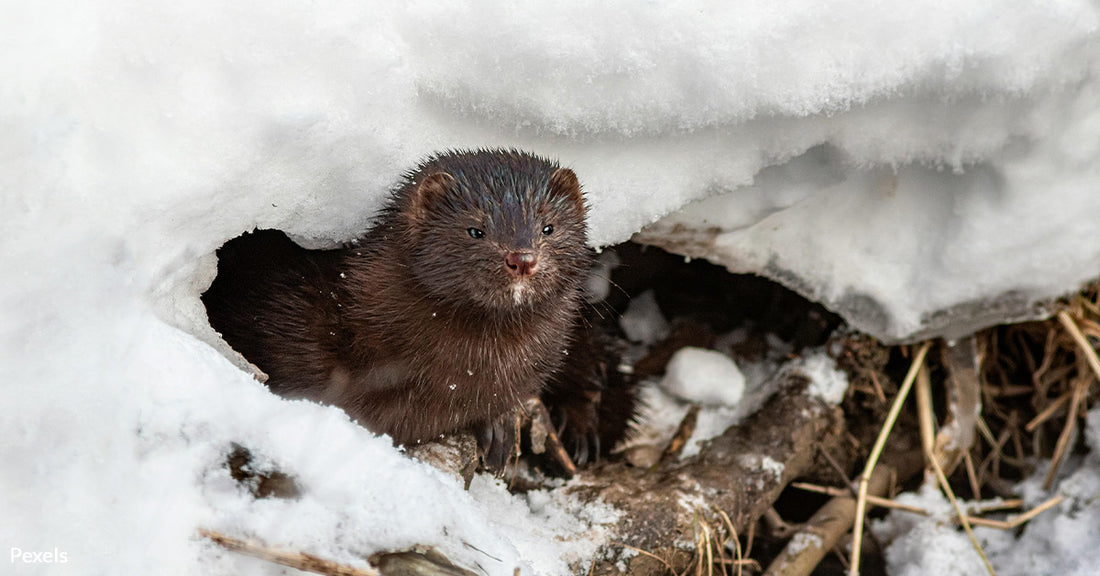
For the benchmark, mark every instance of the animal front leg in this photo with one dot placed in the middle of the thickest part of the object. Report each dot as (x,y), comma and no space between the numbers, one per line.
(498,440)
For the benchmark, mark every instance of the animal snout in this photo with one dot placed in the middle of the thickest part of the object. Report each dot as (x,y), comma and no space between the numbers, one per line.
(521,263)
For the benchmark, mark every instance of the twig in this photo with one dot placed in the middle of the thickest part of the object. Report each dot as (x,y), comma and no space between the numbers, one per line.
(650,554)
(703,545)
(1087,305)
(683,434)
(750,539)
(720,548)
(876,451)
(963,518)
(924,406)
(971,512)
(840,554)
(983,429)
(1011,390)
(879,394)
(1048,411)
(972,476)
(1019,519)
(709,539)
(838,469)
(925,414)
(829,524)
(297,560)
(871,498)
(1086,348)
(1048,360)
(1080,391)
(538,412)
(987,507)
(1013,425)
(740,560)
(777,526)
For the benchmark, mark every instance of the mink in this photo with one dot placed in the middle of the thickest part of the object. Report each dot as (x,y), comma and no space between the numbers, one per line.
(458,304)
(592,403)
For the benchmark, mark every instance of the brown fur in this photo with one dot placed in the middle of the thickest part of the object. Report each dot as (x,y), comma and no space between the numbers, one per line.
(418,329)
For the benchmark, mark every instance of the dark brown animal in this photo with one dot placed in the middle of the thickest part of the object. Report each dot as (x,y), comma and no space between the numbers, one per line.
(455,307)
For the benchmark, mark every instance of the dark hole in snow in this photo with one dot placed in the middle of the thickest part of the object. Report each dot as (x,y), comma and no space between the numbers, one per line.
(698,291)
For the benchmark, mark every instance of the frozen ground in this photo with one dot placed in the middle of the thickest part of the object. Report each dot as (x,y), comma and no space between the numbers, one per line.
(905,158)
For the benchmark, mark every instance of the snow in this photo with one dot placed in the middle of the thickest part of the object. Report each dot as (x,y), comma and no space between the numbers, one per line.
(727,392)
(897,159)
(931,546)
(802,541)
(550,530)
(912,252)
(703,376)
(953,200)
(1061,541)
(762,462)
(598,286)
(642,321)
(826,381)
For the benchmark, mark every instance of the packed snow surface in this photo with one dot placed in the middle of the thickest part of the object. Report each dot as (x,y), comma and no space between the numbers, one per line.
(137,137)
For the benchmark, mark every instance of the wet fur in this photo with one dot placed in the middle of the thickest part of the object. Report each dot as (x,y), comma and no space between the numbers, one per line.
(417,329)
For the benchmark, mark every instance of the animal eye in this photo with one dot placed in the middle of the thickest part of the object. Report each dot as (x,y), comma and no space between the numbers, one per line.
(475,233)
(548,229)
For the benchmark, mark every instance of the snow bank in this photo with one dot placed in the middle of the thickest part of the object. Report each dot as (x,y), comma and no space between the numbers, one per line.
(137,137)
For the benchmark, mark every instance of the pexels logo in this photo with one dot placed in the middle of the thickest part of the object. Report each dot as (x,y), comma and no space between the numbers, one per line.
(54,556)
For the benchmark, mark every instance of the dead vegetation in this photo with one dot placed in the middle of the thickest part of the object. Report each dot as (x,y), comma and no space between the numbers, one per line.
(975,416)
(1009,397)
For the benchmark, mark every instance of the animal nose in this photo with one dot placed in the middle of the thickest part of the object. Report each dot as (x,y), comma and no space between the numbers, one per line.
(521,264)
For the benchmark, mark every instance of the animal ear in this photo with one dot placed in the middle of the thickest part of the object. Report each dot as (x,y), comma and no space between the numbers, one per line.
(564,183)
(433,187)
